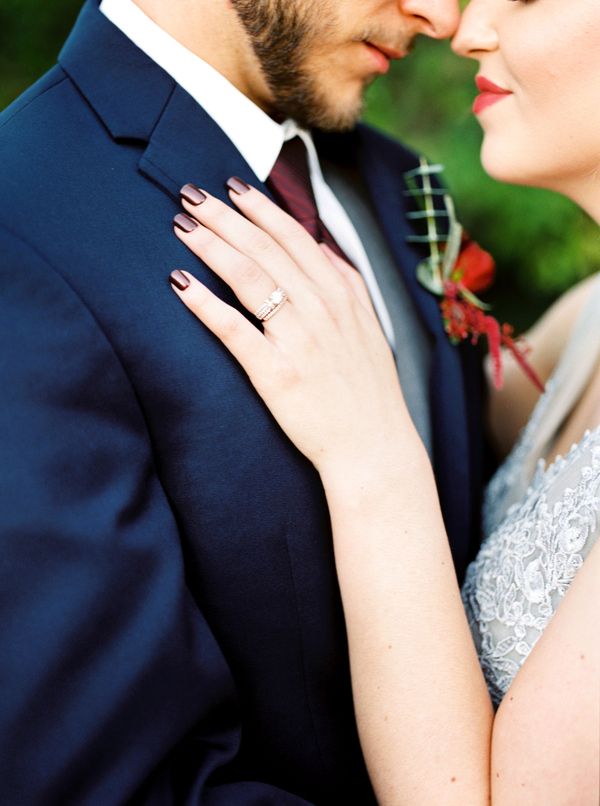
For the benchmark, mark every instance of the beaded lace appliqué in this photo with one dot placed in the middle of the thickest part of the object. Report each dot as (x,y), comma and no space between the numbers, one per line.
(509,473)
(528,561)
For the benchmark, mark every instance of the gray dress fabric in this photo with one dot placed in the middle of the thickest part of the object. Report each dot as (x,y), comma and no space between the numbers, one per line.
(540,520)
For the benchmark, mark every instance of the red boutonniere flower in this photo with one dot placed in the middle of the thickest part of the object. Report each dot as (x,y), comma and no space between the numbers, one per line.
(475,268)
(456,270)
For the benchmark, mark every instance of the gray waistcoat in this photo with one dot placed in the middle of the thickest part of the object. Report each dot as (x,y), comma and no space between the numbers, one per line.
(413,346)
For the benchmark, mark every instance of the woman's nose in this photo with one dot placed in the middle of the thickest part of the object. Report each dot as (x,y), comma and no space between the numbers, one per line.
(476,32)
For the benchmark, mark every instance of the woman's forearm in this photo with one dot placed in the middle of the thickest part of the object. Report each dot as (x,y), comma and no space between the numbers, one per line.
(423,710)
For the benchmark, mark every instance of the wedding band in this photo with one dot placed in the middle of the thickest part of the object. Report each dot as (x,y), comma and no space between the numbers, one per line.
(271,305)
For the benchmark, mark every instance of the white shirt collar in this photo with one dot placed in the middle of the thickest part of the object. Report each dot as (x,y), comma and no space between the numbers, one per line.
(257,137)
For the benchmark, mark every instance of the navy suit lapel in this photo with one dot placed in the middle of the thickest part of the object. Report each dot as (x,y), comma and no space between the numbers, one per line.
(383,175)
(139,102)
(188,146)
(382,164)
(141,105)
(124,87)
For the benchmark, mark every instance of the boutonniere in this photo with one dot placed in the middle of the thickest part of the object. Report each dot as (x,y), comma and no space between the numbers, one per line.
(456,270)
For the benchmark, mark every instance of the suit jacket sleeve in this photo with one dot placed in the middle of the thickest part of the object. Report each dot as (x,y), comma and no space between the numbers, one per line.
(113,686)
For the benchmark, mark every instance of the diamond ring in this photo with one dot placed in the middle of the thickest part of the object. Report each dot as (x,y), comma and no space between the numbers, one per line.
(271,305)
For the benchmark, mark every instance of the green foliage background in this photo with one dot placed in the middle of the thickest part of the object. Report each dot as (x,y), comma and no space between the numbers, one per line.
(541,242)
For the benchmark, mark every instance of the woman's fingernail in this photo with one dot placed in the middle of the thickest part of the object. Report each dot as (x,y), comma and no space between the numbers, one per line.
(185,222)
(192,194)
(237,185)
(179,280)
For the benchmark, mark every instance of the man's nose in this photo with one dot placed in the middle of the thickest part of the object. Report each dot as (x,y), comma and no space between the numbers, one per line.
(437,19)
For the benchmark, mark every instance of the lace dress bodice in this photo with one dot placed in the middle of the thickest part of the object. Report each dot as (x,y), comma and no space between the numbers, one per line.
(540,521)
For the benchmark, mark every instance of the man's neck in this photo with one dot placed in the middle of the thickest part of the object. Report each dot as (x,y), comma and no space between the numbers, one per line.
(211,30)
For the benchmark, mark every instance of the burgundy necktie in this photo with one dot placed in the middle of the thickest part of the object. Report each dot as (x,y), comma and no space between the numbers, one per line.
(290,184)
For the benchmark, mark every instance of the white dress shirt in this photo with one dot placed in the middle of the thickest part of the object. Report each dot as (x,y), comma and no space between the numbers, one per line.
(257,136)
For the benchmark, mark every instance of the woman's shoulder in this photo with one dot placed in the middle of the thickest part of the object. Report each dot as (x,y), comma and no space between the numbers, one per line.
(551,334)
(570,318)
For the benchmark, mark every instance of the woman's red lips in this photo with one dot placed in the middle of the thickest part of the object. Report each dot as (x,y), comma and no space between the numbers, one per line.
(490,93)
(485,85)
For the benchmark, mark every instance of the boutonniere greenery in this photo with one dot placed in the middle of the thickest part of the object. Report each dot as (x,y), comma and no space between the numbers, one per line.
(456,270)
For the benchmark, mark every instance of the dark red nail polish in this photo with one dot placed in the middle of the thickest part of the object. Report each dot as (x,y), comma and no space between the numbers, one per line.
(237,185)
(179,280)
(192,194)
(185,222)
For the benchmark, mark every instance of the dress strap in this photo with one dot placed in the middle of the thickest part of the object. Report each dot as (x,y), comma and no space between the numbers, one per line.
(571,376)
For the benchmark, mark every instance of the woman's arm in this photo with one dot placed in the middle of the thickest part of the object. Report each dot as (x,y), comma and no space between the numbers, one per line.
(324,368)
(423,710)
(546,742)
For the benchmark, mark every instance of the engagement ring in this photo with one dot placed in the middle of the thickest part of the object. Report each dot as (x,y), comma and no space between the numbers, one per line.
(271,305)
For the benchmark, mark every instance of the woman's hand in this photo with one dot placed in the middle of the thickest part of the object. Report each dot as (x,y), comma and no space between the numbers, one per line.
(322,364)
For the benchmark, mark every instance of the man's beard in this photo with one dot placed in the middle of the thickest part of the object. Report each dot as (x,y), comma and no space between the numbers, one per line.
(281,33)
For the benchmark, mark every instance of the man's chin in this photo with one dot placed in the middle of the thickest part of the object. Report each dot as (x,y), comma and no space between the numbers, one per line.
(315,108)
(334,118)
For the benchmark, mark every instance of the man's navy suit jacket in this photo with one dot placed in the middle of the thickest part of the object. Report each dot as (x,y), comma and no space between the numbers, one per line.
(171,626)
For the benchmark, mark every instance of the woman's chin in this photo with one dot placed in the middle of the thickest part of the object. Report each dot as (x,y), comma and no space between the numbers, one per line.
(504,166)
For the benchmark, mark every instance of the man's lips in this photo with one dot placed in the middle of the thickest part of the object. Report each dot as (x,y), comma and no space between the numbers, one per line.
(382,55)
(390,53)
(490,93)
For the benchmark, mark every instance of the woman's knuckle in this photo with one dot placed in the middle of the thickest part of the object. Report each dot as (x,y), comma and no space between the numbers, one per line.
(249,272)
(287,376)
(219,214)
(262,205)
(228,325)
(323,306)
(203,238)
(289,228)
(356,277)
(259,243)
